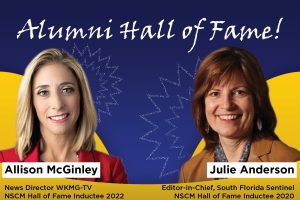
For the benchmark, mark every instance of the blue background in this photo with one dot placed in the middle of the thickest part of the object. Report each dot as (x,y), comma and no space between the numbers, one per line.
(143,88)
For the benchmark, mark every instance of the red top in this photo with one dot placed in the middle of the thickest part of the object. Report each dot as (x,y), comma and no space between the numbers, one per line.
(112,170)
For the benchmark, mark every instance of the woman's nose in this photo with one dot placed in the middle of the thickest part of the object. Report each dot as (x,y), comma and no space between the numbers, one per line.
(227,102)
(57,102)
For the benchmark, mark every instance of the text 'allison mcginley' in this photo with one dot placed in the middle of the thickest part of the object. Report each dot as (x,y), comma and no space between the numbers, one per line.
(51,169)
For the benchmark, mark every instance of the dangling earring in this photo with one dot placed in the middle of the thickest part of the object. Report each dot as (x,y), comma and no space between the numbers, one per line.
(207,129)
(259,124)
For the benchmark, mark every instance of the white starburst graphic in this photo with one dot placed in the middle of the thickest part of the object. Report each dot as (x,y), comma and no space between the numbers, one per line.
(102,78)
(166,120)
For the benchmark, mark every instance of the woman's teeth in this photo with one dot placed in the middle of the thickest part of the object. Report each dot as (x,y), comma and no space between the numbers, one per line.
(228,117)
(59,117)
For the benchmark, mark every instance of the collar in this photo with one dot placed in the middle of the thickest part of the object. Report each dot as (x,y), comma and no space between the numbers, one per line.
(259,148)
(34,155)
(84,156)
(219,154)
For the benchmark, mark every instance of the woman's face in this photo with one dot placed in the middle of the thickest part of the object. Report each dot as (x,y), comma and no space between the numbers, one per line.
(229,108)
(56,99)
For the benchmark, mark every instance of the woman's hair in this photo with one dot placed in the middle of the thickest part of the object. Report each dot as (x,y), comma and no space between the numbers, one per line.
(28,133)
(221,66)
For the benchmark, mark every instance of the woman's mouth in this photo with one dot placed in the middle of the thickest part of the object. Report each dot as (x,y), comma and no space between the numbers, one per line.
(59,118)
(229,117)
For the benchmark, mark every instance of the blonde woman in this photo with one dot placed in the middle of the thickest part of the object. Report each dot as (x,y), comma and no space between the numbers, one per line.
(56,118)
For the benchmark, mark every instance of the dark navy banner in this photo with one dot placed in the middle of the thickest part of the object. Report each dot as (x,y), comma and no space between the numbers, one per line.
(140,60)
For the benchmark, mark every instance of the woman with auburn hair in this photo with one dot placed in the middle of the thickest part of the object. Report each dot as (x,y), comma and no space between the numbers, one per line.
(233,113)
(56,117)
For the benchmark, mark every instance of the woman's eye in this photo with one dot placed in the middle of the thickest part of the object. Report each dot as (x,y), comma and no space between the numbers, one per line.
(43,93)
(67,90)
(240,93)
(213,94)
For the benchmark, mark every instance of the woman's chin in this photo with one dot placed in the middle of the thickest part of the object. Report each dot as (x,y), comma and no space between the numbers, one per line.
(229,134)
(59,131)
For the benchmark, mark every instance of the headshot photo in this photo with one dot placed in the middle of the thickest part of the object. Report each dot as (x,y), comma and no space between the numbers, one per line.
(233,113)
(56,117)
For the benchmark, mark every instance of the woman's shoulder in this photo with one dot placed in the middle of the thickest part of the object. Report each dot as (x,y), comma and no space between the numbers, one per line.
(112,168)
(108,162)
(287,152)
(195,168)
(201,158)
(9,155)
(103,157)
(276,150)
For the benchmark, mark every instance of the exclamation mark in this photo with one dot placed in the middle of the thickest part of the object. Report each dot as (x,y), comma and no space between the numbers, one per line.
(278,27)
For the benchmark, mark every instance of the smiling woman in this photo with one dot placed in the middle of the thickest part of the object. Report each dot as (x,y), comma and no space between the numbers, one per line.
(233,113)
(56,118)
(56,100)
